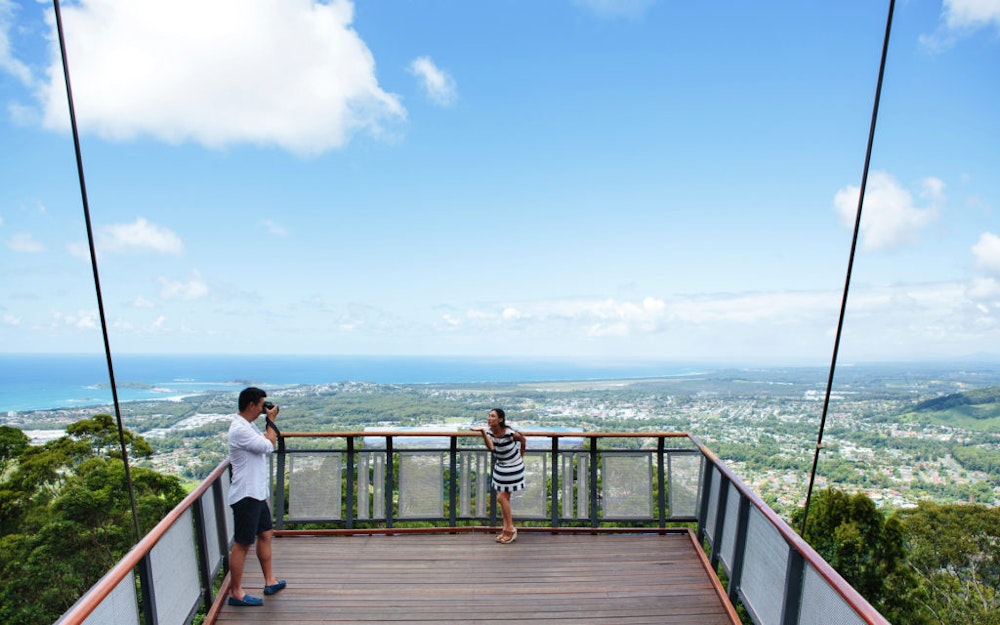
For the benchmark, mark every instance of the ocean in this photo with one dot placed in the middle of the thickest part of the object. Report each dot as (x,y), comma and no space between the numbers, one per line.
(47,381)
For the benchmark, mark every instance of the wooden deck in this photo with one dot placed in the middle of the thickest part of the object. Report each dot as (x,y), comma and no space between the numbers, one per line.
(451,579)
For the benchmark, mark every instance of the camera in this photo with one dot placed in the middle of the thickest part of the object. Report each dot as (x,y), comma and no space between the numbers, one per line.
(268,405)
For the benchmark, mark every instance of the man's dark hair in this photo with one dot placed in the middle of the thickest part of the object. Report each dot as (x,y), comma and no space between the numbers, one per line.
(250,395)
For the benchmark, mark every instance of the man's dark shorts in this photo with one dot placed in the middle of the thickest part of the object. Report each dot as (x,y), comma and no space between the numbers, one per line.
(250,518)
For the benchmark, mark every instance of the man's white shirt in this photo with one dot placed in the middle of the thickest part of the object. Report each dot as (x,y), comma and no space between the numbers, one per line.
(248,452)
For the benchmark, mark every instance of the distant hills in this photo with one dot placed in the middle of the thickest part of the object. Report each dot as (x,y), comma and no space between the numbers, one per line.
(979,405)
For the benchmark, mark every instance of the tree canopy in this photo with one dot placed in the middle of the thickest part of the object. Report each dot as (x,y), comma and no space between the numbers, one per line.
(66,515)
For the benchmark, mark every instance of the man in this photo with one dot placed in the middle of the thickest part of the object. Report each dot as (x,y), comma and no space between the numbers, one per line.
(248,452)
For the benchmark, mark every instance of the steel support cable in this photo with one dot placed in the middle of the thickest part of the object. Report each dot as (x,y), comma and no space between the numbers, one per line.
(850,266)
(97,279)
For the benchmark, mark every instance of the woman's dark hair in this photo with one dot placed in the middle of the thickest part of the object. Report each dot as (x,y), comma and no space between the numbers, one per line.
(500,415)
(250,395)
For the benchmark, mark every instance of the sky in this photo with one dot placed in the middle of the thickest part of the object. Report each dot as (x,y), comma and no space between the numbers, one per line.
(584,179)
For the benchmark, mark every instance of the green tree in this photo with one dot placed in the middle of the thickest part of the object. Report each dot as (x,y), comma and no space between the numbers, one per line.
(12,442)
(67,518)
(867,549)
(954,550)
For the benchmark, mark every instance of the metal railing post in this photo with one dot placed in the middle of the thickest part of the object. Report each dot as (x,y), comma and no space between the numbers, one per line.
(279,503)
(148,593)
(593,482)
(793,588)
(389,481)
(349,497)
(453,481)
(554,489)
(661,480)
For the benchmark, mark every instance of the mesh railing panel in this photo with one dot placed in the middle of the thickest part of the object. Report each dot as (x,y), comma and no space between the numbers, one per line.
(421,485)
(228,516)
(582,486)
(713,504)
(727,550)
(175,572)
(371,485)
(210,518)
(764,566)
(314,486)
(566,485)
(120,607)
(822,605)
(626,487)
(530,502)
(474,483)
(684,471)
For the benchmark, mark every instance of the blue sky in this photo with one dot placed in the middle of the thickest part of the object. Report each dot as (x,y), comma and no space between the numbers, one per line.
(581,178)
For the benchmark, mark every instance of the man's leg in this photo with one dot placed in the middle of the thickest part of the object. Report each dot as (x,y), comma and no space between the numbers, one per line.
(237,558)
(264,555)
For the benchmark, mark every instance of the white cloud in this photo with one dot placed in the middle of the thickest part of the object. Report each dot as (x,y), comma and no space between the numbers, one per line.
(987,252)
(8,63)
(193,289)
(273,228)
(140,235)
(23,242)
(291,73)
(82,320)
(889,219)
(960,14)
(959,18)
(142,302)
(11,320)
(984,290)
(439,86)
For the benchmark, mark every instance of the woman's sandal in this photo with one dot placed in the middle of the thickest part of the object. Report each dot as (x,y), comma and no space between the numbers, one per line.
(510,538)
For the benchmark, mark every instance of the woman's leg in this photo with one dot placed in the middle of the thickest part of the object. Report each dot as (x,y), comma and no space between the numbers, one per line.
(503,498)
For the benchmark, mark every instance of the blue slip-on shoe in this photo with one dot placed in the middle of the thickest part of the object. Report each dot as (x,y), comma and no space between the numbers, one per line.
(247,600)
(273,588)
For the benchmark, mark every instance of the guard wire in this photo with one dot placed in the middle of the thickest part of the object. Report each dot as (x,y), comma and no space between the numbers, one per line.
(93,263)
(850,266)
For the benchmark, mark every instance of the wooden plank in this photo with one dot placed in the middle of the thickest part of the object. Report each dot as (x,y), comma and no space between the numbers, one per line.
(447,579)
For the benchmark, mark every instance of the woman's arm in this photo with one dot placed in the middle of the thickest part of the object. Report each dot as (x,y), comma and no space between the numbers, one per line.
(521,439)
(486,438)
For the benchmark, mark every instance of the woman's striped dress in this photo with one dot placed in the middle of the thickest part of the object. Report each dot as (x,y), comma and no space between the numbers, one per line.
(508,468)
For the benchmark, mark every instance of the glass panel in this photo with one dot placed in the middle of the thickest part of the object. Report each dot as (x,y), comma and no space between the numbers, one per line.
(314,486)
(364,485)
(627,486)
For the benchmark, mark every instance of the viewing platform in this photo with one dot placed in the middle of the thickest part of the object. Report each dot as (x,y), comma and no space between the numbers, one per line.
(397,526)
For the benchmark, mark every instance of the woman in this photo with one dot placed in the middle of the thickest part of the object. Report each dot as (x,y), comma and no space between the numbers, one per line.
(508,466)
